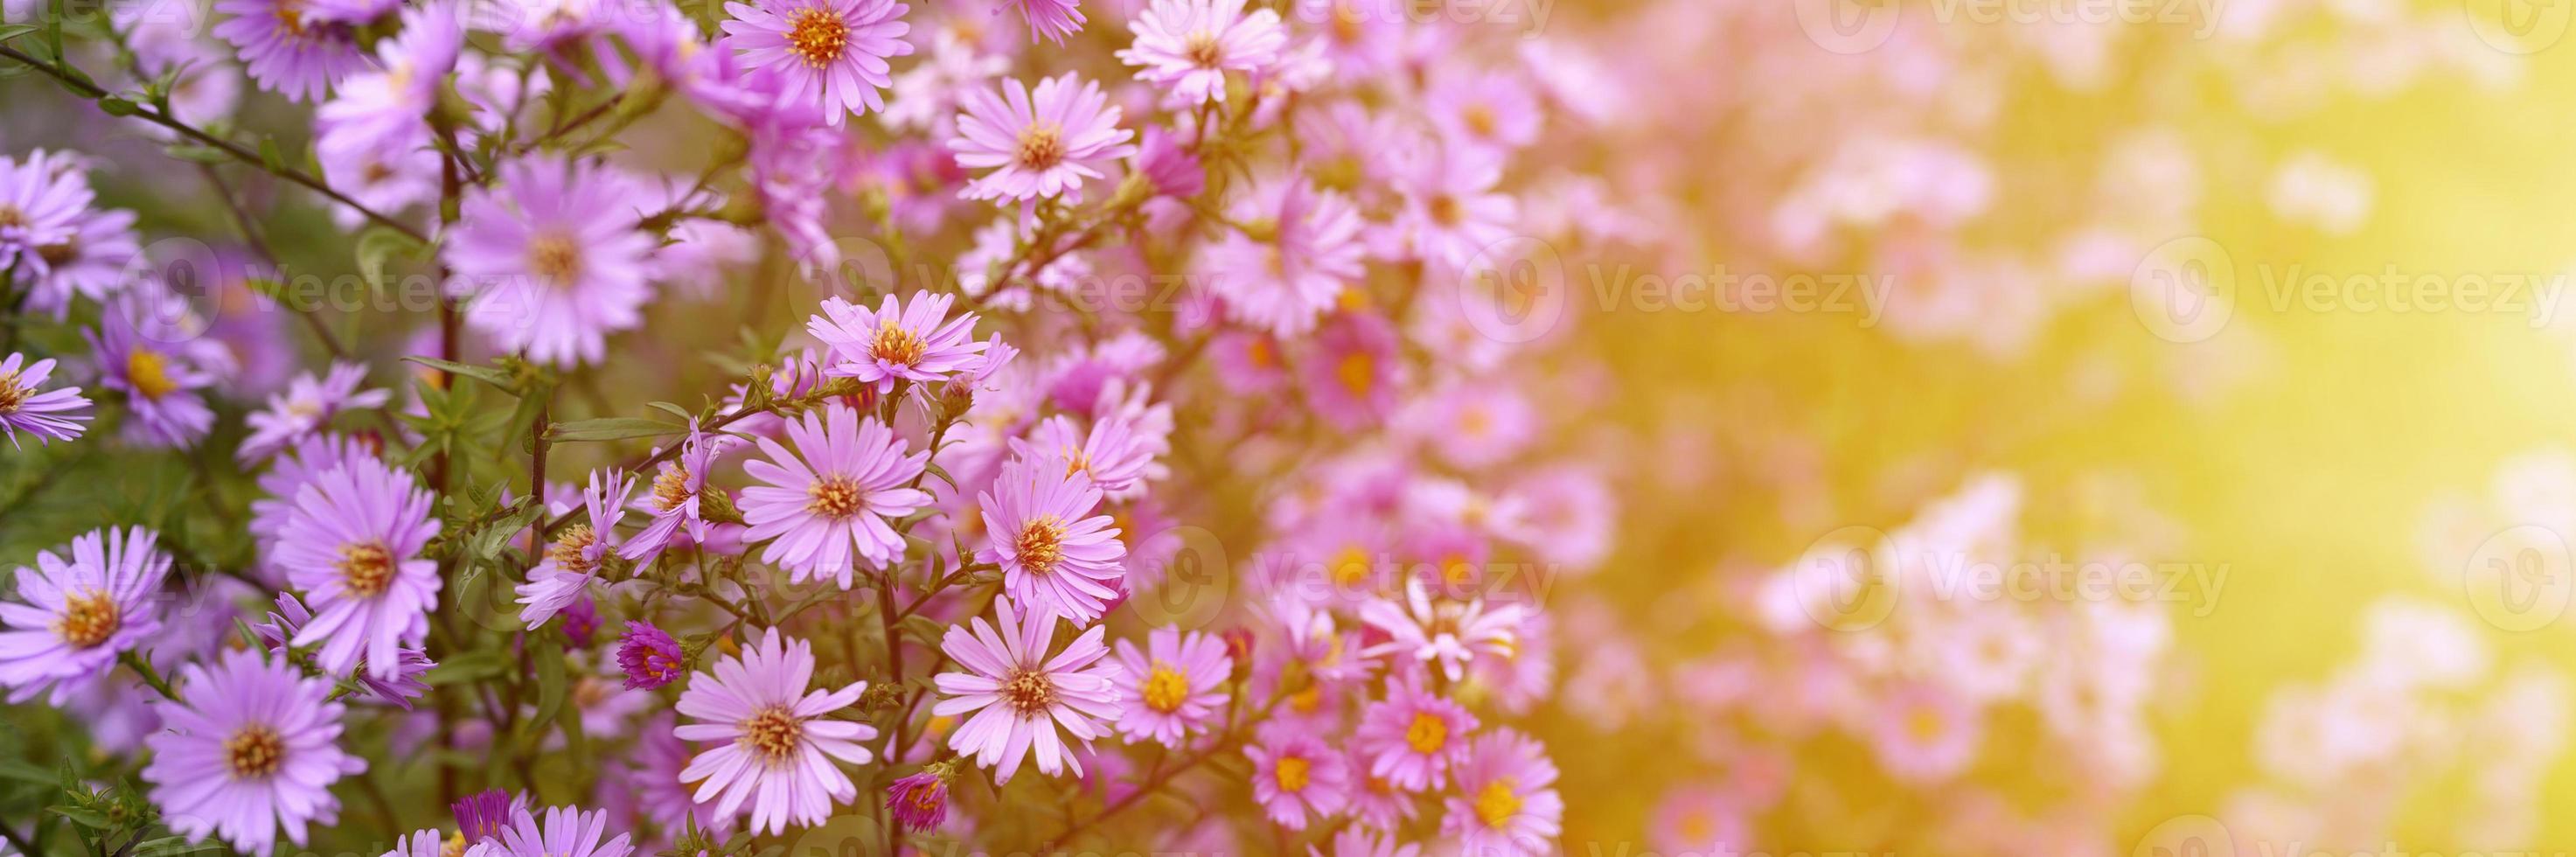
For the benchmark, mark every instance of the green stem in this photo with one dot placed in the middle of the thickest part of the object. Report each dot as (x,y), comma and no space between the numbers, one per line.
(150,676)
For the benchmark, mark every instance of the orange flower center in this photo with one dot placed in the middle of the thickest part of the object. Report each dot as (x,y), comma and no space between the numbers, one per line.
(88,619)
(254,752)
(817,36)
(365,569)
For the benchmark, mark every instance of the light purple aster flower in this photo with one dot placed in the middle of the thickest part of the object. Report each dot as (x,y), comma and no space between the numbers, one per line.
(566,832)
(1054,19)
(482,815)
(307,405)
(1451,210)
(580,621)
(1056,556)
(655,778)
(160,385)
(649,657)
(1493,109)
(405,685)
(39,201)
(75,615)
(777,745)
(675,499)
(424,842)
(249,748)
(1041,145)
(1171,686)
(1285,279)
(1296,777)
(25,406)
(919,800)
(828,51)
(1187,46)
(827,505)
(90,262)
(1506,803)
(573,561)
(49,234)
(1446,634)
(553,258)
(1410,736)
(387,107)
(286,476)
(918,342)
(1019,695)
(1117,456)
(352,546)
(287,51)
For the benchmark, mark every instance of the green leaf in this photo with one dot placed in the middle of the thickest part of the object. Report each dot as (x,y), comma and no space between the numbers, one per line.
(12,31)
(610,428)
(89,818)
(552,684)
(117,106)
(674,410)
(275,161)
(470,666)
(485,374)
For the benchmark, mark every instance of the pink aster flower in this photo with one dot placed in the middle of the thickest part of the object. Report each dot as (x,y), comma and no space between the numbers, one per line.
(552,258)
(831,52)
(1350,377)
(649,657)
(404,686)
(387,107)
(1411,736)
(286,52)
(249,748)
(41,201)
(1491,109)
(1451,211)
(287,474)
(1924,733)
(307,405)
(655,778)
(1296,777)
(1054,19)
(74,616)
(918,800)
(1506,803)
(1039,145)
(90,262)
(675,501)
(913,343)
(778,746)
(573,561)
(25,406)
(1441,633)
(352,546)
(160,383)
(1020,696)
(1187,46)
(1056,556)
(1283,280)
(1170,687)
(566,832)
(1114,454)
(827,505)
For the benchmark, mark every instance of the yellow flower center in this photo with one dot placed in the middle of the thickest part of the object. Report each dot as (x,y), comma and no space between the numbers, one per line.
(671,488)
(1292,772)
(88,619)
(833,498)
(12,393)
(148,373)
(570,547)
(1427,734)
(1042,544)
(1166,688)
(454,846)
(1480,120)
(1350,566)
(1444,210)
(1041,145)
(554,258)
(1498,802)
(817,36)
(1358,373)
(290,15)
(774,734)
(897,346)
(1924,724)
(1029,692)
(365,569)
(1202,49)
(254,752)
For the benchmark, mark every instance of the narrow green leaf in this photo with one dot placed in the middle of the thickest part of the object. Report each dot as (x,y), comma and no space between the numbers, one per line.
(610,428)
(485,374)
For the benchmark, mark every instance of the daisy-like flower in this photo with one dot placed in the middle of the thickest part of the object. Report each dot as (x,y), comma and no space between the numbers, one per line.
(1506,803)
(913,343)
(90,262)
(1359,841)
(1447,634)
(1116,457)
(1187,46)
(387,108)
(75,615)
(1451,210)
(404,686)
(831,52)
(352,545)
(1056,557)
(1054,19)
(654,777)
(573,561)
(552,258)
(566,832)
(1285,278)
(1495,110)
(287,474)
(919,801)
(778,745)
(286,51)
(482,815)
(1171,685)
(1019,695)
(41,202)
(307,405)
(676,498)
(1041,144)
(827,505)
(249,748)
(162,406)
(649,656)
(1296,777)
(424,842)
(1410,737)
(25,406)
(1924,733)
